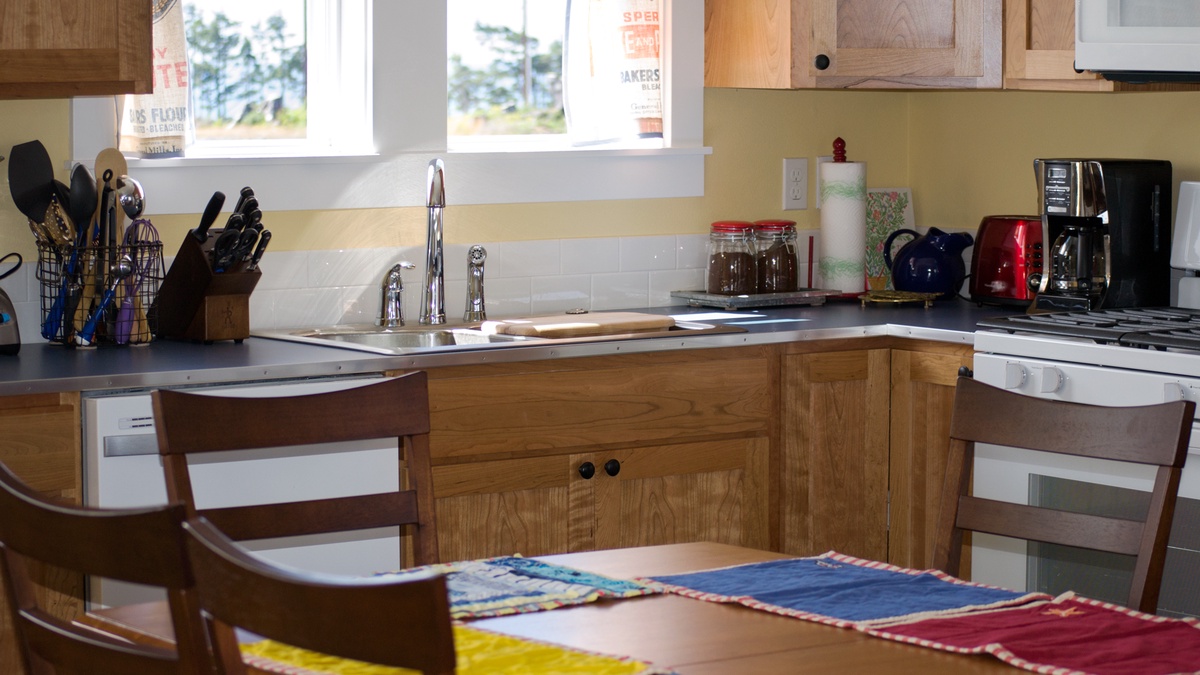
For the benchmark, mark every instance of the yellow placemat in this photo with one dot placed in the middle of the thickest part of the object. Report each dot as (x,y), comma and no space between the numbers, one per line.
(479,652)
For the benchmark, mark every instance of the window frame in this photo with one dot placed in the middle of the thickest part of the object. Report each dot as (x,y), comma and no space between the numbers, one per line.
(408,136)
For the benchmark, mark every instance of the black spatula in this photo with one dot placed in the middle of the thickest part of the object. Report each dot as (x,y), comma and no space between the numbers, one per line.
(31,179)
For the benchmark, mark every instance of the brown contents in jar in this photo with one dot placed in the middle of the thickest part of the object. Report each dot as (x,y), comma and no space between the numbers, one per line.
(777,271)
(731,273)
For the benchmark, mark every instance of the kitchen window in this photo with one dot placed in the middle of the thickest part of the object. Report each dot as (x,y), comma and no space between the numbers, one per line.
(408,108)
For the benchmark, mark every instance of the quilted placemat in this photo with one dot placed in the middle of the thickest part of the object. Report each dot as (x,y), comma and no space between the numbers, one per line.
(841,590)
(1067,634)
(515,584)
(479,652)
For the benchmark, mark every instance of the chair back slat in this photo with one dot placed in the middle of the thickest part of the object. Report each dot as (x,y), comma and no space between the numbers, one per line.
(396,409)
(1153,435)
(1048,525)
(318,516)
(380,620)
(143,546)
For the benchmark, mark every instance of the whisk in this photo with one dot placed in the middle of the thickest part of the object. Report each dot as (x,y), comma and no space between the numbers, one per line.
(142,244)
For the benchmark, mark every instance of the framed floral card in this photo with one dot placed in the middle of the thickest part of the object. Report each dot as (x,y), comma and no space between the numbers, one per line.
(888,210)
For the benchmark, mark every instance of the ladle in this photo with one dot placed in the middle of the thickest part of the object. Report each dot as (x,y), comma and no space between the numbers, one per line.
(131,197)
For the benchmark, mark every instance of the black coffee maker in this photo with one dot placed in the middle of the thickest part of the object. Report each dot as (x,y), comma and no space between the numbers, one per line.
(1107,223)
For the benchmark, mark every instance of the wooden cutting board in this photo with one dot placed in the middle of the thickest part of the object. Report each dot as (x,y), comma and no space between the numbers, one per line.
(580,325)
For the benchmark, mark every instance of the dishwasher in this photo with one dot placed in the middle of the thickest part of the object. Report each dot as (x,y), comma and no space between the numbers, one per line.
(121,469)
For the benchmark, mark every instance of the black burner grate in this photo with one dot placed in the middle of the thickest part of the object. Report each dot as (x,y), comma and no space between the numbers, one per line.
(1158,327)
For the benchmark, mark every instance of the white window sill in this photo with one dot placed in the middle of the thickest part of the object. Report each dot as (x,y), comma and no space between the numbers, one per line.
(184,185)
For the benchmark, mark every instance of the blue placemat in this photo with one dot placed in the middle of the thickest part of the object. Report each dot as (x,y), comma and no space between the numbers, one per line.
(841,590)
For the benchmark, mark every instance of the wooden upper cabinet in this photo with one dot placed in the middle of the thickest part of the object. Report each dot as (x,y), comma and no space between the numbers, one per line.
(878,44)
(64,48)
(1039,51)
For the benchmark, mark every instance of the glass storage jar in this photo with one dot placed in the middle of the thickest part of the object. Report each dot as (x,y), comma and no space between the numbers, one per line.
(731,264)
(775,243)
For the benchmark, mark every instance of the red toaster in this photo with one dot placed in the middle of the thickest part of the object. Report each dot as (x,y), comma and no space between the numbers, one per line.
(1008,250)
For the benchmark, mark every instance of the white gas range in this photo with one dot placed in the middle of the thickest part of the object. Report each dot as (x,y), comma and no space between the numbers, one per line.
(1113,357)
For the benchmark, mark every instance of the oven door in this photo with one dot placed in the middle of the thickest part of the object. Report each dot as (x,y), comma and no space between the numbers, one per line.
(1073,483)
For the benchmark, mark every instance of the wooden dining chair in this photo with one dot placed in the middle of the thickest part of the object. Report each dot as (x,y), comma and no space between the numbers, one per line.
(144,546)
(190,425)
(1155,435)
(379,619)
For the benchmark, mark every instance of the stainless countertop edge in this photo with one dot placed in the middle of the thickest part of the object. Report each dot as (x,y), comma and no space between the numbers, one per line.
(262,359)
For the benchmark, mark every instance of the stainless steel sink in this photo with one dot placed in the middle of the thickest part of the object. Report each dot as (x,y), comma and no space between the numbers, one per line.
(412,339)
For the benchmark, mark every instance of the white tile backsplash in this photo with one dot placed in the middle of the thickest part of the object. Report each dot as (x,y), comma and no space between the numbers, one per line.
(621,290)
(314,288)
(591,256)
(551,295)
(648,254)
(692,251)
(524,259)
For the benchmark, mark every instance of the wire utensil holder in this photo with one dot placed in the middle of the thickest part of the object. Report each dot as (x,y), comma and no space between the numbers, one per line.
(74,281)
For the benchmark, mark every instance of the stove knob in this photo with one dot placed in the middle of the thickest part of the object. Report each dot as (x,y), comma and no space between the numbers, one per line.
(1175,391)
(1014,375)
(1053,380)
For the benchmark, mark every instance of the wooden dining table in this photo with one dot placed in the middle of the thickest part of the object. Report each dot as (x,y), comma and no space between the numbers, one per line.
(692,637)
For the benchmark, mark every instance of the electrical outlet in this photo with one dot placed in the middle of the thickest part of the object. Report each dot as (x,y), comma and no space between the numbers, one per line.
(795,183)
(821,160)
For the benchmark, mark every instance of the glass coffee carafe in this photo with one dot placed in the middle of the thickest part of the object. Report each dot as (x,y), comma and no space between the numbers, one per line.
(1078,264)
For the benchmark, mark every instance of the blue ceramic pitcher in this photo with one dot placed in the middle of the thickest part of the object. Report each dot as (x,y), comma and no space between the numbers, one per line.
(930,263)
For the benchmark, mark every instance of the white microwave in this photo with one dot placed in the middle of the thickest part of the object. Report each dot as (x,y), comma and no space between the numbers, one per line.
(1139,40)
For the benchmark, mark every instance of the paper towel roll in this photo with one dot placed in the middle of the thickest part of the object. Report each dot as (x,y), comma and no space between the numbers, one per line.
(843,225)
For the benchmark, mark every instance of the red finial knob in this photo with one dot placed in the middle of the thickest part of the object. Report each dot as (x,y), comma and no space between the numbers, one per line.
(839,149)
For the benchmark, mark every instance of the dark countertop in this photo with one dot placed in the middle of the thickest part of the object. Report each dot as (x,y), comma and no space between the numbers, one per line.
(43,367)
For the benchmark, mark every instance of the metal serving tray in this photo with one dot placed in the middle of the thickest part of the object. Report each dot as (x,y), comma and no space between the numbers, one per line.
(804,296)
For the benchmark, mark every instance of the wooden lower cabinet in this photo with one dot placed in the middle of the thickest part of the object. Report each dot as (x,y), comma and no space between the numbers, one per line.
(41,444)
(691,433)
(864,441)
(707,491)
(834,468)
(923,384)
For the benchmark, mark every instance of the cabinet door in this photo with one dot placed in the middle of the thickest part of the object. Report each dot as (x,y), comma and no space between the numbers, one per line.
(834,473)
(42,446)
(1039,51)
(906,43)
(922,401)
(748,43)
(713,491)
(75,48)
(507,441)
(1040,48)
(502,507)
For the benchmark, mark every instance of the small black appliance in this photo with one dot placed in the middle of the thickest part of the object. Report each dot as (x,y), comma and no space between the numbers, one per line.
(1108,226)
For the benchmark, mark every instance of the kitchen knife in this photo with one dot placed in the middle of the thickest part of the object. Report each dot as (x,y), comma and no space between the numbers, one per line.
(249,207)
(245,194)
(236,221)
(258,252)
(209,216)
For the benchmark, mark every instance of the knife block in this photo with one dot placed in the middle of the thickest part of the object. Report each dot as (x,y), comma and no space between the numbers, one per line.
(196,304)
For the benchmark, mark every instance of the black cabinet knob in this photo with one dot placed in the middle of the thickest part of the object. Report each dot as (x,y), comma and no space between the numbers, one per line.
(612,467)
(821,62)
(964,371)
(587,470)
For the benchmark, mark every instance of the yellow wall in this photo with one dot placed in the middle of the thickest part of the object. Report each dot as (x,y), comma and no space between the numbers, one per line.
(971,153)
(965,154)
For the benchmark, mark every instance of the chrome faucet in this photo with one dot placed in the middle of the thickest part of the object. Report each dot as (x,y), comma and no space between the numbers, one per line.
(475,308)
(433,295)
(391,296)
